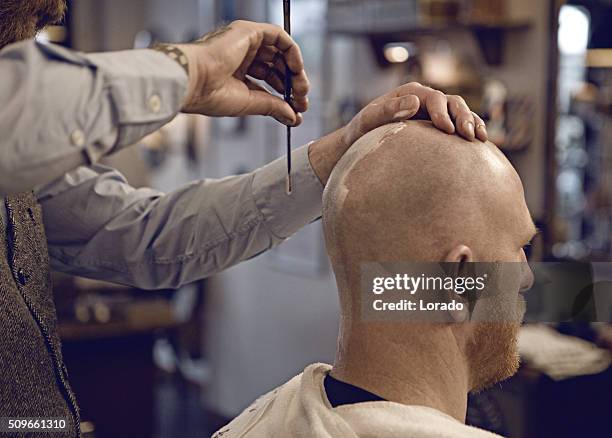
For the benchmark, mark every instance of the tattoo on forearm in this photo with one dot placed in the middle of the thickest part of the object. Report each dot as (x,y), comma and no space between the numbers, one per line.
(174,53)
(177,54)
(212,35)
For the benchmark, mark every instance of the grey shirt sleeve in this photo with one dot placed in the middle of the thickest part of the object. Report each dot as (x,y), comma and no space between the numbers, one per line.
(60,109)
(99,227)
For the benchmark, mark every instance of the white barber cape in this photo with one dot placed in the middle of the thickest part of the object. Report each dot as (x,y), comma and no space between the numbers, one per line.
(300,408)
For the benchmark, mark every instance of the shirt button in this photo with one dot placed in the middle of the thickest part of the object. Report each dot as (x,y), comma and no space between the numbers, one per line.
(155,103)
(77,138)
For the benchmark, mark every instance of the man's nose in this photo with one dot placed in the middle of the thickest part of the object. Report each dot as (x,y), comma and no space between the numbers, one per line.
(527,277)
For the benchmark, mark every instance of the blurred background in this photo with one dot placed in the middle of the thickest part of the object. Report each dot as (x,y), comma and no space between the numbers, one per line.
(182,363)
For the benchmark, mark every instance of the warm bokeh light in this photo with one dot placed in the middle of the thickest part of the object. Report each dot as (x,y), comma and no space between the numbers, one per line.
(397,54)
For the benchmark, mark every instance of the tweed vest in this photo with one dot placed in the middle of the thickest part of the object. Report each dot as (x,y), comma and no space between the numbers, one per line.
(33,377)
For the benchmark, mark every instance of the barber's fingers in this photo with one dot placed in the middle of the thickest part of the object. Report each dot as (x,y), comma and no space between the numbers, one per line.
(391,110)
(401,108)
(382,112)
(264,40)
(267,73)
(481,128)
(300,103)
(270,56)
(264,34)
(260,102)
(463,117)
(433,102)
(267,53)
(409,88)
(300,85)
(274,77)
(436,103)
(299,81)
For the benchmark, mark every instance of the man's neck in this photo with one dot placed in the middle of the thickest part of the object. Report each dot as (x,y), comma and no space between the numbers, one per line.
(427,369)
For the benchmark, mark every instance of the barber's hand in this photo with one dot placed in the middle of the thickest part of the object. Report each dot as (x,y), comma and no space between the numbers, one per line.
(448,113)
(222,66)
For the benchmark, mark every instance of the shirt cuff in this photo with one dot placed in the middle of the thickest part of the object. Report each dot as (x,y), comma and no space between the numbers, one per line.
(147,88)
(285,214)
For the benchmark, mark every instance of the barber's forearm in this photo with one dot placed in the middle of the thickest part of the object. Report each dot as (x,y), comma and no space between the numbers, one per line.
(285,215)
(146,89)
(152,240)
(60,109)
(100,227)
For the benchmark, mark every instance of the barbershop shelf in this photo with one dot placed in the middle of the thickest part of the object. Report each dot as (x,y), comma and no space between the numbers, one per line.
(140,318)
(491,36)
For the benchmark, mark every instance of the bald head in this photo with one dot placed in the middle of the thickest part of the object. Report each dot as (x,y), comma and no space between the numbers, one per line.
(409,192)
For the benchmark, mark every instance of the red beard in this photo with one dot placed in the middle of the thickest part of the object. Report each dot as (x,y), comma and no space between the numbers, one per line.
(22,19)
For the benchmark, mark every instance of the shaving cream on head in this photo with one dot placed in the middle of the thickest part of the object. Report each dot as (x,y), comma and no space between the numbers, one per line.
(336,191)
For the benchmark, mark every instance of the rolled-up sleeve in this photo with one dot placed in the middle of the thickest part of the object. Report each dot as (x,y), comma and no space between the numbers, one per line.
(60,109)
(99,227)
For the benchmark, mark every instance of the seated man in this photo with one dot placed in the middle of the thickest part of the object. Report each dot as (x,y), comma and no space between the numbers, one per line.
(407,192)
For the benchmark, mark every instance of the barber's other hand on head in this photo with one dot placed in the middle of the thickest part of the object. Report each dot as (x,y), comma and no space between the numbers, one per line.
(448,113)
(223,64)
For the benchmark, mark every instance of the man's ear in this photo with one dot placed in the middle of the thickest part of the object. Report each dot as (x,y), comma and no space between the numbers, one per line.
(460,254)
(457,258)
